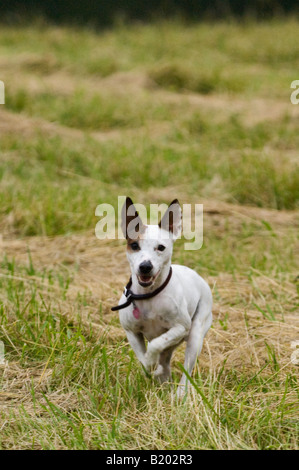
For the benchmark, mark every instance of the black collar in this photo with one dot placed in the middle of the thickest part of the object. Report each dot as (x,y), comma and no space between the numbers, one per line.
(131,296)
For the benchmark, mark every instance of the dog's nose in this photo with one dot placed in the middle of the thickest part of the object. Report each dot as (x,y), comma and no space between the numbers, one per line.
(145,267)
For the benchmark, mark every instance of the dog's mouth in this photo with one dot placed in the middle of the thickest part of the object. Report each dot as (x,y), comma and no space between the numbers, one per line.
(145,280)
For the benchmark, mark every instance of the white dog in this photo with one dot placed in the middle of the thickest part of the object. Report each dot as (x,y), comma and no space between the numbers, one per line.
(163,303)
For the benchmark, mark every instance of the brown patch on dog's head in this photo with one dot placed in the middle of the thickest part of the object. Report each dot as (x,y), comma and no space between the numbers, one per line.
(137,239)
(130,242)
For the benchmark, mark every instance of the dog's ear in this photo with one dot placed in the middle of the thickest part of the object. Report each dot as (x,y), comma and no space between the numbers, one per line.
(131,224)
(172,219)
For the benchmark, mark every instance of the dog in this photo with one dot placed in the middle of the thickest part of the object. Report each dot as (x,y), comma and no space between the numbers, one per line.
(163,303)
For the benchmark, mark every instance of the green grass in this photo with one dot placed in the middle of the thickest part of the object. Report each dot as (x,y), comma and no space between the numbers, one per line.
(198,112)
(80,110)
(83,393)
(221,57)
(82,171)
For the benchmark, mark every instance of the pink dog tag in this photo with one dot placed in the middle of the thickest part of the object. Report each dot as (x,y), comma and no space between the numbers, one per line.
(136,312)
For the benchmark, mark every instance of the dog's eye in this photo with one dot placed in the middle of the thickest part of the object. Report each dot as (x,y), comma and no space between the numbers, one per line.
(161,247)
(134,246)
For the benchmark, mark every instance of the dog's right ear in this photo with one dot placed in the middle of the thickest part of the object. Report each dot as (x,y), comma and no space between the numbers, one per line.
(131,224)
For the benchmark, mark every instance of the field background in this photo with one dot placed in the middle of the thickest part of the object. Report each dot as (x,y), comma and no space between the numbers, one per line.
(199,112)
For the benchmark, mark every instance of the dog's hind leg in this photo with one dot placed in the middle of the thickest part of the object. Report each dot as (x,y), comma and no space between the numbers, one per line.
(201,323)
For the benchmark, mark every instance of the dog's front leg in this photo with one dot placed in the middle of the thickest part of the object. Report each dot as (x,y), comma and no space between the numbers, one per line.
(137,343)
(162,373)
(171,338)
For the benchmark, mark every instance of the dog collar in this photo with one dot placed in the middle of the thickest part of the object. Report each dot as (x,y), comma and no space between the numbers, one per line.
(131,296)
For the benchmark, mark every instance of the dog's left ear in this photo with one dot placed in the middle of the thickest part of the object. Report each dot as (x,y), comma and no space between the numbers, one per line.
(172,219)
(131,223)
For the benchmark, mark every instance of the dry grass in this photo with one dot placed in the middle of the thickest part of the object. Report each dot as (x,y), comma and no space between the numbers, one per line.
(70,380)
(235,343)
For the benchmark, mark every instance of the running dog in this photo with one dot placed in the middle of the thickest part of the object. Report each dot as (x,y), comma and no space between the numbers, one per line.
(163,303)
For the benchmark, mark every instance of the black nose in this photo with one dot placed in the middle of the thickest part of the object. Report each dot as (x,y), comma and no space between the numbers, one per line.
(145,267)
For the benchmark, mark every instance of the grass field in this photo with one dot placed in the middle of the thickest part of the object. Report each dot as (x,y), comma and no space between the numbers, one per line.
(201,113)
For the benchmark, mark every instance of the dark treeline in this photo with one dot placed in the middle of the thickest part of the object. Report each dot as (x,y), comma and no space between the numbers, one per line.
(105,12)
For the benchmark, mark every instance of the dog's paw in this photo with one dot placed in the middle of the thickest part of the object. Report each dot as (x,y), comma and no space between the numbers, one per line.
(150,362)
(151,357)
(162,374)
(181,391)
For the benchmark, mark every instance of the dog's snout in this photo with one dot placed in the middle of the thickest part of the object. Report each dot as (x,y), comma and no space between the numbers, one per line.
(145,267)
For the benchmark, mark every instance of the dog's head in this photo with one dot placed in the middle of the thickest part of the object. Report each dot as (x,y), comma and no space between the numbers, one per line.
(149,247)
